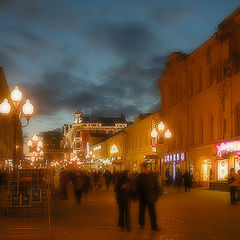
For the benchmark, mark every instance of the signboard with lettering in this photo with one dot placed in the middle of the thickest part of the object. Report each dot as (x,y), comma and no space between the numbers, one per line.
(175,157)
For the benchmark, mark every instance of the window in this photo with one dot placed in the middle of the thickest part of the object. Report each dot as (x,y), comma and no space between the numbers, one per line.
(78,134)
(222,170)
(211,128)
(200,130)
(192,132)
(199,82)
(77,145)
(190,88)
(237,119)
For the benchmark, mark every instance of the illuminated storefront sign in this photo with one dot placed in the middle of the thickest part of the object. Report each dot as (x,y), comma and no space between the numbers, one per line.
(226,147)
(113,149)
(175,157)
(154,138)
(97,148)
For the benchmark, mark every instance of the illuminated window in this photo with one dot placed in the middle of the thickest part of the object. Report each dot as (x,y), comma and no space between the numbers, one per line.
(222,170)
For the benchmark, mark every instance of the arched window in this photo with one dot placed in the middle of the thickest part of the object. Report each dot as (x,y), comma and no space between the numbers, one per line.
(211,128)
(237,119)
(191,137)
(200,130)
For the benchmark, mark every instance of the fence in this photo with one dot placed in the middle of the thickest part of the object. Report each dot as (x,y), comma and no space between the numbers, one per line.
(25,204)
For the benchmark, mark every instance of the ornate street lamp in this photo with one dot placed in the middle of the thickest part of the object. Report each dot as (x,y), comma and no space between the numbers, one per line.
(35,145)
(14,107)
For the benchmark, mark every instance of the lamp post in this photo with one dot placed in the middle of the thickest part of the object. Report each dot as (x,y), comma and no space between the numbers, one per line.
(16,109)
(35,145)
(158,135)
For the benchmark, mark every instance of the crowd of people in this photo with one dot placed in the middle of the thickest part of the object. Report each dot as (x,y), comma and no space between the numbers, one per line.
(143,187)
(185,179)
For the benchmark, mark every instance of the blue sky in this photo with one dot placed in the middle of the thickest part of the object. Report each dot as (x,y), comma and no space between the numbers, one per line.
(100,57)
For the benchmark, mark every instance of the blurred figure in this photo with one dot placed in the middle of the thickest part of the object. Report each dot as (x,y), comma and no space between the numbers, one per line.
(238,188)
(95,179)
(100,180)
(178,180)
(233,181)
(123,197)
(78,183)
(86,183)
(187,181)
(108,179)
(168,177)
(148,191)
(64,179)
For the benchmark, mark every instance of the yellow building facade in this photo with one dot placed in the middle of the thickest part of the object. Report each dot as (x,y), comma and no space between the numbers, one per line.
(129,148)
(201,103)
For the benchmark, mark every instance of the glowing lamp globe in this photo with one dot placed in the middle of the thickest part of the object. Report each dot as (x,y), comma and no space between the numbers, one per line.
(29,143)
(5,107)
(35,137)
(16,95)
(161,126)
(40,144)
(28,108)
(168,134)
(154,133)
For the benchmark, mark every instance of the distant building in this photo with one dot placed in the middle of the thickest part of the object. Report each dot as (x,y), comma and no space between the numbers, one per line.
(52,146)
(128,148)
(7,130)
(201,102)
(85,131)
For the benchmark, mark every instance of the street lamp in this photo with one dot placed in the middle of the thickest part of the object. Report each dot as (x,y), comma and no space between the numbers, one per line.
(35,145)
(14,107)
(158,136)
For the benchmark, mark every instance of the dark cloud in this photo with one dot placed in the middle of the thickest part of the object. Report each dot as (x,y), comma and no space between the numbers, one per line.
(126,88)
(128,40)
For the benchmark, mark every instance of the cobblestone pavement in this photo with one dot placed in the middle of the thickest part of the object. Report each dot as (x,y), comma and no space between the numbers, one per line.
(200,214)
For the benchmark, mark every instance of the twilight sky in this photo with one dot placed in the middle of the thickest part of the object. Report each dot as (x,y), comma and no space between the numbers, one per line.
(102,57)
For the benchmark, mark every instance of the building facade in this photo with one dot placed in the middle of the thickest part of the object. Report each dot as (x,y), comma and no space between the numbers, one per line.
(132,146)
(86,131)
(200,101)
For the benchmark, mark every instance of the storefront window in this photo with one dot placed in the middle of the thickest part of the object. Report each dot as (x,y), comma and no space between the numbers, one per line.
(222,170)
(206,167)
(237,164)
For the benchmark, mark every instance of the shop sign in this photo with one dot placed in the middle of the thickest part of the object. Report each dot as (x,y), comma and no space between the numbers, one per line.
(154,139)
(175,157)
(226,147)
(97,148)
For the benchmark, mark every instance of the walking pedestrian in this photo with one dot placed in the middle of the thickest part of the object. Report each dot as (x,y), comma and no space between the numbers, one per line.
(178,180)
(78,186)
(108,179)
(187,181)
(233,181)
(148,191)
(123,197)
(63,182)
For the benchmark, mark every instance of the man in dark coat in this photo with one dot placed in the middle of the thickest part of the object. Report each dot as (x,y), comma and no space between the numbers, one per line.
(148,191)
(123,197)
(187,181)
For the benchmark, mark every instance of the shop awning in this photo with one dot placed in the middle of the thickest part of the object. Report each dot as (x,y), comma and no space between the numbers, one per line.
(151,156)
